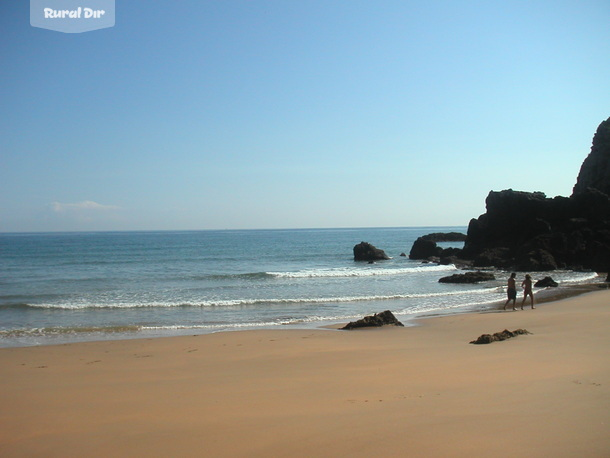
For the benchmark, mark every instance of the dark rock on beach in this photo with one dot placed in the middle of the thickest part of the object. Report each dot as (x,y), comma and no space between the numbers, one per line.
(498,336)
(468,277)
(376,320)
(546,282)
(366,252)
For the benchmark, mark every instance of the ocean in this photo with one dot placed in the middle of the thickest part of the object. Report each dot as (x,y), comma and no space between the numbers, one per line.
(67,287)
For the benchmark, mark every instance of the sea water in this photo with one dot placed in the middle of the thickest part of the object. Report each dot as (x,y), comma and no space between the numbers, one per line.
(65,287)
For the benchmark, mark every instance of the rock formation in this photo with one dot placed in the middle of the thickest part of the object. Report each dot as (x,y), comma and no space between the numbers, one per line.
(425,247)
(546,282)
(376,320)
(366,252)
(468,277)
(595,170)
(498,336)
(445,237)
(528,231)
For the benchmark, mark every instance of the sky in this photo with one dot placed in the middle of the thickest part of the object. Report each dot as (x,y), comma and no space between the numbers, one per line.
(224,114)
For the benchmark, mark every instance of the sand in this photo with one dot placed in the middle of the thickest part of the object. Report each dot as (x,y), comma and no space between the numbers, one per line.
(415,391)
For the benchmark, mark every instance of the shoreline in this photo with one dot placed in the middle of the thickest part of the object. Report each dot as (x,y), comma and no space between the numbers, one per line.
(126,333)
(420,390)
(541,296)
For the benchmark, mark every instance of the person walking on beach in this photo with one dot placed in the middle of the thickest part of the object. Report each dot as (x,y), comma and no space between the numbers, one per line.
(511,291)
(527,290)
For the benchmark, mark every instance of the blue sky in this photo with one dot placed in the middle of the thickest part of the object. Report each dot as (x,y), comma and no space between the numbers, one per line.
(292,114)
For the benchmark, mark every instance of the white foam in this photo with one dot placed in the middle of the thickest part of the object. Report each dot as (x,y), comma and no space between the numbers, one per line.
(268,301)
(364,272)
(579,277)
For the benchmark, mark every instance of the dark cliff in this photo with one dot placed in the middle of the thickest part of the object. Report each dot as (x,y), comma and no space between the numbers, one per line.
(595,170)
(528,231)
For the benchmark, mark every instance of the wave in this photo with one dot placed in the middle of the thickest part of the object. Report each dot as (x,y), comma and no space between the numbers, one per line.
(180,327)
(70,330)
(352,272)
(447,308)
(264,324)
(574,278)
(248,275)
(52,332)
(256,301)
(88,330)
(15,305)
(53,302)
(368,271)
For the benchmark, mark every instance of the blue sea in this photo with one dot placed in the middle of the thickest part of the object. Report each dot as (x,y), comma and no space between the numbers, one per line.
(67,287)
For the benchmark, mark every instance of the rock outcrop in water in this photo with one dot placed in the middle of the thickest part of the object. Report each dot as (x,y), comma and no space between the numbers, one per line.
(468,277)
(425,247)
(364,251)
(546,282)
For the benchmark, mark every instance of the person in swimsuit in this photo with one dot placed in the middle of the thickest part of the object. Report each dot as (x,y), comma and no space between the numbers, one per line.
(527,290)
(511,291)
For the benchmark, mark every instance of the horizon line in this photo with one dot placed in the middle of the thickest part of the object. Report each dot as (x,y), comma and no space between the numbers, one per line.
(226,229)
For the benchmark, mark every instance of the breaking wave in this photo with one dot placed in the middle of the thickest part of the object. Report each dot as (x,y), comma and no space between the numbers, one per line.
(352,272)
(266,301)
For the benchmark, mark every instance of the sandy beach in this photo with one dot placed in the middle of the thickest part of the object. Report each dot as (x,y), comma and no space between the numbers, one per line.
(414,391)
